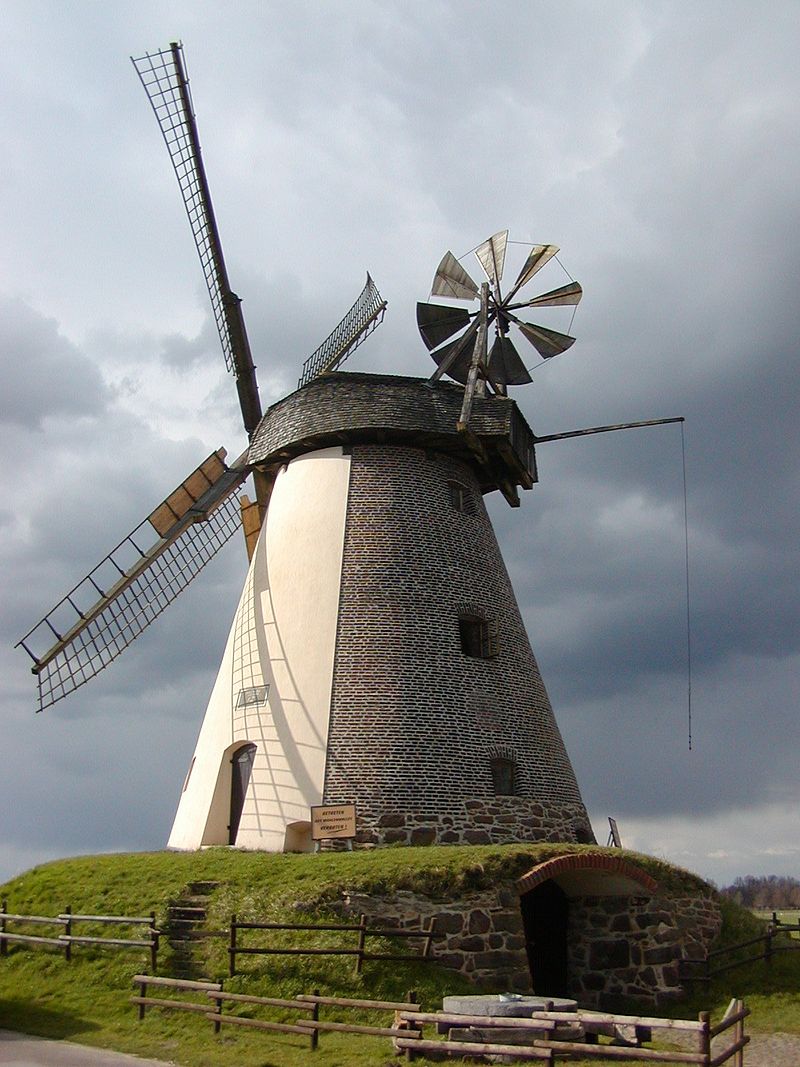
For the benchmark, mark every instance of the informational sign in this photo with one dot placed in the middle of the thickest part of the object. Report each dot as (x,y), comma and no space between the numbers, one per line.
(333,821)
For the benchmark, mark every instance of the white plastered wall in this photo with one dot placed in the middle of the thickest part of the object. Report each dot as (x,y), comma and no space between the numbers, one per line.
(284,637)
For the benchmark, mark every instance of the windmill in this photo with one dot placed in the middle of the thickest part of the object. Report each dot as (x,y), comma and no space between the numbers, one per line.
(377,655)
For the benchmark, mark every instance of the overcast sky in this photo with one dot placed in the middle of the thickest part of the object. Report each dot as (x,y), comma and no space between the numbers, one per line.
(656,143)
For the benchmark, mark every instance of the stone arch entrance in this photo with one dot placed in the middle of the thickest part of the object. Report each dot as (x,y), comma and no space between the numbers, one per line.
(556,936)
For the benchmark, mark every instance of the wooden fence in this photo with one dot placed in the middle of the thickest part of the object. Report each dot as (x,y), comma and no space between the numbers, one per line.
(67,921)
(360,952)
(307,1005)
(719,960)
(540,1037)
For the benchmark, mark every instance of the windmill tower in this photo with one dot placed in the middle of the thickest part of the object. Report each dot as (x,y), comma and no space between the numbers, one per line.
(377,655)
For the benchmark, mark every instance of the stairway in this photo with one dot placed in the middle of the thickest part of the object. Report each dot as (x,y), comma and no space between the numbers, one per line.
(185,929)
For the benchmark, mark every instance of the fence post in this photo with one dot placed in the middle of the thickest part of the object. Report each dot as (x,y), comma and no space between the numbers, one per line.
(429,939)
(68,932)
(315,1018)
(218,1010)
(412,998)
(142,994)
(3,942)
(362,937)
(768,948)
(154,940)
(738,1035)
(704,1039)
(232,948)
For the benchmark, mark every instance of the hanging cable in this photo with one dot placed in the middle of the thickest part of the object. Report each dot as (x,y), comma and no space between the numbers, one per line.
(688,602)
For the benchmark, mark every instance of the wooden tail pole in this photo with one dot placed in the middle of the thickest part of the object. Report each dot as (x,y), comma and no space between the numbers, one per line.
(478,360)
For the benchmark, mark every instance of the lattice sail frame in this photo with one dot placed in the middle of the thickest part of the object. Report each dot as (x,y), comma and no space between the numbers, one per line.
(162,74)
(164,78)
(106,611)
(362,318)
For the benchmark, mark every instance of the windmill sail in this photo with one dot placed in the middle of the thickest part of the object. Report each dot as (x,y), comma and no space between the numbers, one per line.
(126,591)
(163,75)
(362,318)
(503,366)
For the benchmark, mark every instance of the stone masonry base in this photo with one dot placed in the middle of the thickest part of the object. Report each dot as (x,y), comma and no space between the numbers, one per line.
(493,821)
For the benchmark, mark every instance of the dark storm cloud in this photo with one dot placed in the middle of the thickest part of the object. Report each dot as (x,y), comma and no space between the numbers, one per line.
(44,375)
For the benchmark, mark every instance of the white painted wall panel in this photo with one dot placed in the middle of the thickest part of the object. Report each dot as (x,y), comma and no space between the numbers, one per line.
(283,636)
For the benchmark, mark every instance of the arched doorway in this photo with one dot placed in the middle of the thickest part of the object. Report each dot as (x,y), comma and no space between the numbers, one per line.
(568,953)
(545,916)
(241,770)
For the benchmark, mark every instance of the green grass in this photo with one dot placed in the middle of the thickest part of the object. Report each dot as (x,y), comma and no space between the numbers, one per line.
(87,1000)
(791,916)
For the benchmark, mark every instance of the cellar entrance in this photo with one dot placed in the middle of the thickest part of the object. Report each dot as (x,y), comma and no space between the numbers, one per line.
(545,915)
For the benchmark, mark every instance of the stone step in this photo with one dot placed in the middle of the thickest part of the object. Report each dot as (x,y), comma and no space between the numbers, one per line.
(202,887)
(185,936)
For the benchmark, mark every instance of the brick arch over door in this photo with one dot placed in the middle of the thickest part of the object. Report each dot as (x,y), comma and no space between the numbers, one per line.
(598,874)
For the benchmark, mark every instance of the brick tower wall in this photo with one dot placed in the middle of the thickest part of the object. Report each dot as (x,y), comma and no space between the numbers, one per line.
(415,722)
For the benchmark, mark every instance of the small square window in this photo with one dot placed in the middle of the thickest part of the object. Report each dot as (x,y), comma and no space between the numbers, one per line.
(256,694)
(504,777)
(461,497)
(478,636)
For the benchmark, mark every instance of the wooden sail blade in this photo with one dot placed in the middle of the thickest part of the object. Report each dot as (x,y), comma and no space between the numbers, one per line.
(163,75)
(538,256)
(548,343)
(136,581)
(452,280)
(438,322)
(459,368)
(362,318)
(492,257)
(505,363)
(566,295)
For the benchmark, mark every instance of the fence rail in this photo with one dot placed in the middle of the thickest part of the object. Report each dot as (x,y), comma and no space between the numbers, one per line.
(542,1036)
(703,970)
(359,951)
(540,1039)
(305,1004)
(67,920)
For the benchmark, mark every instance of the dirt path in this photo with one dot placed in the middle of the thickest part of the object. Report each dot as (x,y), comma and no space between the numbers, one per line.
(773,1050)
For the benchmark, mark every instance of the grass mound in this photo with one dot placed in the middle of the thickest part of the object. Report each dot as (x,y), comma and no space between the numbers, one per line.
(87,1000)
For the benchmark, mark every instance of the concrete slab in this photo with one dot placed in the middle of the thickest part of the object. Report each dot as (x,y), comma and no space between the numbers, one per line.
(504,1005)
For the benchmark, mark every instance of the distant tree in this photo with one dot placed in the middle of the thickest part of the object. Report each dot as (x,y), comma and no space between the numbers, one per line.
(767,892)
